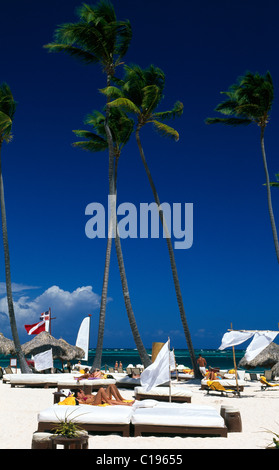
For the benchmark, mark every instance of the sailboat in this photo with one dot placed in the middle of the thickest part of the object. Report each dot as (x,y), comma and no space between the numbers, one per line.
(83,336)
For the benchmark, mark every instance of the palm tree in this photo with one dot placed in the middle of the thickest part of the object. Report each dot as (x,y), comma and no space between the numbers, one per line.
(7,111)
(275,184)
(141,92)
(100,38)
(121,128)
(248,101)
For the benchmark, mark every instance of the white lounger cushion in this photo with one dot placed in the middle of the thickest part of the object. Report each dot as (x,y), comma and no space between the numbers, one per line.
(175,414)
(115,414)
(71,381)
(226,382)
(29,379)
(165,391)
(127,380)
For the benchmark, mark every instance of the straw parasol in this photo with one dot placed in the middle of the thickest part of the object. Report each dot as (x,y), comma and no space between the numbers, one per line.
(275,370)
(60,348)
(267,358)
(6,346)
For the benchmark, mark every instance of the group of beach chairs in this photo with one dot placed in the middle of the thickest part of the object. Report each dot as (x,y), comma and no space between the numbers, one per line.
(160,410)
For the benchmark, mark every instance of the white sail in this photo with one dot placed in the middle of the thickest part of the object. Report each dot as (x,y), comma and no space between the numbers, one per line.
(83,336)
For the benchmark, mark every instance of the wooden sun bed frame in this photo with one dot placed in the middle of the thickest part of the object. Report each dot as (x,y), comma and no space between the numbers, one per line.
(188,430)
(136,430)
(123,429)
(232,387)
(142,396)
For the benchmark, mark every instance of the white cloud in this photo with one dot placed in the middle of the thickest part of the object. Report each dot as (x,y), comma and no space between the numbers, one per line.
(64,304)
(15,287)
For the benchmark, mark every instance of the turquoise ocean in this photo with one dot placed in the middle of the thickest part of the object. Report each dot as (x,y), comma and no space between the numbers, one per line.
(214,357)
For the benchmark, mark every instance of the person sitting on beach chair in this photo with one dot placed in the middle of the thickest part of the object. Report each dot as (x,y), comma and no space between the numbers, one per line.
(110,396)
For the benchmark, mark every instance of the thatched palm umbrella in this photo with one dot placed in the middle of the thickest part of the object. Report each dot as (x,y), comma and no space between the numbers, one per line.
(60,348)
(275,370)
(6,346)
(267,358)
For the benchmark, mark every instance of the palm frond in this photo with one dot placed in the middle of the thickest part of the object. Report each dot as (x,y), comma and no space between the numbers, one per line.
(7,102)
(123,38)
(95,143)
(228,121)
(5,127)
(151,98)
(176,111)
(83,55)
(166,131)
(125,104)
(250,100)
(112,92)
(104,9)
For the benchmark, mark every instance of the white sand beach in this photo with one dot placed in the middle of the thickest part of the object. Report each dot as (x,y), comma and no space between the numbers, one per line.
(259,411)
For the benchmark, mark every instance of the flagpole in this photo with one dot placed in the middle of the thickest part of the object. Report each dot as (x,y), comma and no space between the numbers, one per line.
(49,312)
(89,334)
(235,369)
(169,372)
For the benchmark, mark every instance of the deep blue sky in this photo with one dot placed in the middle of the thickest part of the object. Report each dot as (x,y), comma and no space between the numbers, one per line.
(230,274)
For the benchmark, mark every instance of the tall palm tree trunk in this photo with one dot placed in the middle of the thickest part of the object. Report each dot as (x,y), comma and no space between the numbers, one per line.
(172,263)
(113,228)
(269,201)
(101,330)
(20,356)
(112,192)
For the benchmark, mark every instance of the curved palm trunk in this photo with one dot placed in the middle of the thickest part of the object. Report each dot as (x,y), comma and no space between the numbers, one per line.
(270,209)
(172,262)
(20,356)
(99,348)
(131,317)
(113,221)
(113,227)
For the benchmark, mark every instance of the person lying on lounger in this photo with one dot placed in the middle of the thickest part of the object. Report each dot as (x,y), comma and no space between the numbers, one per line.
(102,397)
(96,374)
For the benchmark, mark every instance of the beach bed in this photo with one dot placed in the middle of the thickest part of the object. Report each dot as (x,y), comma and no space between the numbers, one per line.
(37,380)
(109,419)
(127,382)
(178,394)
(147,416)
(176,418)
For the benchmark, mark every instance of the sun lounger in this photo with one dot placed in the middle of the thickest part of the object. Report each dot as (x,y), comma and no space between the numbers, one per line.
(144,416)
(178,394)
(110,419)
(267,385)
(178,418)
(37,380)
(215,386)
(127,382)
(226,383)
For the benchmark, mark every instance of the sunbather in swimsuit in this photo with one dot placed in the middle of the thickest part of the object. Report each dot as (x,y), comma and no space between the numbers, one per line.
(103,397)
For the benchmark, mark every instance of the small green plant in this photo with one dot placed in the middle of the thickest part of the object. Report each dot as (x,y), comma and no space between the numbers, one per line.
(275,440)
(67,427)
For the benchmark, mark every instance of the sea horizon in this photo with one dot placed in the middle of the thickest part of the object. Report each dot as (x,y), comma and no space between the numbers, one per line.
(214,357)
